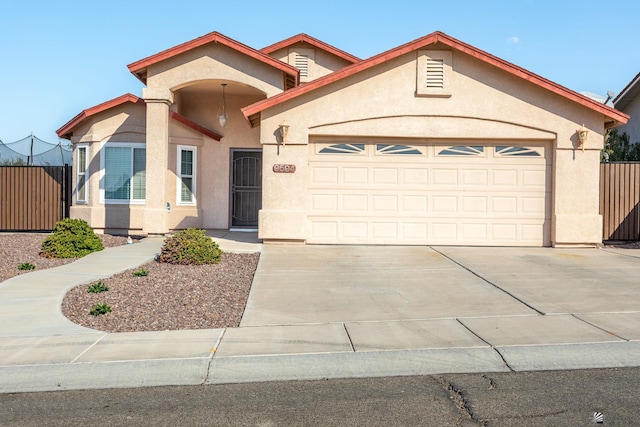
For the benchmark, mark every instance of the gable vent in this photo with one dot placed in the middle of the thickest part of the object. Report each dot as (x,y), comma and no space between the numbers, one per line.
(435,73)
(302,64)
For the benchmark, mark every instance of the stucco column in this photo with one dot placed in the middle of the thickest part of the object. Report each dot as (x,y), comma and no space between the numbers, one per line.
(155,210)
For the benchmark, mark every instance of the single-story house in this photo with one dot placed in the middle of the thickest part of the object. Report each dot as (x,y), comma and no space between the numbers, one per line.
(434,142)
(628,102)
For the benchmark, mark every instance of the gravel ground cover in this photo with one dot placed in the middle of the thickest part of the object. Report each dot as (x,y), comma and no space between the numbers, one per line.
(170,297)
(18,248)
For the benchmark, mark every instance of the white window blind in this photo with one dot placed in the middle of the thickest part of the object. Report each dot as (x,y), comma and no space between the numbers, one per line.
(81,190)
(124,173)
(186,175)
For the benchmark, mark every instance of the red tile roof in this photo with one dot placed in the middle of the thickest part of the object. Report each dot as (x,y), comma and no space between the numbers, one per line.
(66,131)
(436,37)
(139,68)
(305,38)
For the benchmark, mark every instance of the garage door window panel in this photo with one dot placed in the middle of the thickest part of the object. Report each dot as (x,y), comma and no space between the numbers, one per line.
(505,151)
(343,149)
(462,150)
(386,149)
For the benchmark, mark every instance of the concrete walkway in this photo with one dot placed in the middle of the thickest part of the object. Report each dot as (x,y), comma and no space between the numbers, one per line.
(341,311)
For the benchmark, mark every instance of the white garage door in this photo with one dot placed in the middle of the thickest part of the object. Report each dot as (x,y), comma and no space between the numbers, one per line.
(457,194)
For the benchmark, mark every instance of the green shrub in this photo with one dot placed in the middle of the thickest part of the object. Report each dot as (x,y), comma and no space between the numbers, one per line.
(96,288)
(26,266)
(99,309)
(190,246)
(71,238)
(141,273)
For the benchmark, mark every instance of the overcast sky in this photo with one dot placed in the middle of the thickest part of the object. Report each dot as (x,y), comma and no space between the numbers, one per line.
(60,57)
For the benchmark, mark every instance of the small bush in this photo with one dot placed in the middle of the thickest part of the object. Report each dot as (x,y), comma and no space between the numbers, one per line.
(99,309)
(141,273)
(71,238)
(96,288)
(26,266)
(190,246)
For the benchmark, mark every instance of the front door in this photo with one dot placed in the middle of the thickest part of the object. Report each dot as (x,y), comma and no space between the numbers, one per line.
(246,188)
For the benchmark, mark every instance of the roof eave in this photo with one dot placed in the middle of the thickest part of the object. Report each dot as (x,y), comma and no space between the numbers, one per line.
(139,68)
(195,126)
(433,38)
(66,131)
(305,38)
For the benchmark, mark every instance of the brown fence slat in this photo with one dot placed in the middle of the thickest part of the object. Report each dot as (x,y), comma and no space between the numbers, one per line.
(34,198)
(620,200)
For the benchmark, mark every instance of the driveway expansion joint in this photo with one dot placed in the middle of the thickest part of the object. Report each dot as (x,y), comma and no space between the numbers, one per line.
(488,281)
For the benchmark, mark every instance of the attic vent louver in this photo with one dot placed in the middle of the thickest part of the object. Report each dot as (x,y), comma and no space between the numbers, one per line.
(302,64)
(435,73)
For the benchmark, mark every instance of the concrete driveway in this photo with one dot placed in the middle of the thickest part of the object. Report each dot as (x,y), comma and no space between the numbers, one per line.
(323,284)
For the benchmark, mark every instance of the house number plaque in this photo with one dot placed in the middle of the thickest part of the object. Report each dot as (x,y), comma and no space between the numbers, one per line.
(284,168)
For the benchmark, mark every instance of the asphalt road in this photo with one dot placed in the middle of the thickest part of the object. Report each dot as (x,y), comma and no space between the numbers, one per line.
(551,398)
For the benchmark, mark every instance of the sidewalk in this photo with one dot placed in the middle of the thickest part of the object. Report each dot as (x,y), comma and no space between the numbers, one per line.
(41,350)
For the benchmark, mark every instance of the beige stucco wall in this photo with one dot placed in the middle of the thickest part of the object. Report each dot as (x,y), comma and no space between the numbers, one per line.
(127,124)
(124,124)
(213,163)
(215,61)
(485,104)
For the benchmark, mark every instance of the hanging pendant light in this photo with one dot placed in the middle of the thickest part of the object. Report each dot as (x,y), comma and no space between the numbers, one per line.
(222,118)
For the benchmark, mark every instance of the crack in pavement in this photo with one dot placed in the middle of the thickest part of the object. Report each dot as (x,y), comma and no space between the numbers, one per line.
(489,282)
(464,407)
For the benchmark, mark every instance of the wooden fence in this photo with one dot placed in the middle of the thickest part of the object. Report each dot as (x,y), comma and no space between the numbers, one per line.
(620,200)
(34,198)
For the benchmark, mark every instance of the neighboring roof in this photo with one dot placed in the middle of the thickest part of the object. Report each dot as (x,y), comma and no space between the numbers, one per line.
(606,100)
(139,68)
(66,131)
(251,111)
(628,94)
(305,38)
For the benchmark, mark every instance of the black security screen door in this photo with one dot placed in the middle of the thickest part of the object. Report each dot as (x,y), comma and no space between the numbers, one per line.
(246,188)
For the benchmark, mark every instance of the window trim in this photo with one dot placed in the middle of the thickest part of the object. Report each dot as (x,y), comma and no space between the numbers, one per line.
(179,175)
(82,174)
(131,146)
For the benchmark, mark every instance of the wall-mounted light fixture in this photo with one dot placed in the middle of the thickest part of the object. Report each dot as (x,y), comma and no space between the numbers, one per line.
(284,131)
(583,134)
(222,111)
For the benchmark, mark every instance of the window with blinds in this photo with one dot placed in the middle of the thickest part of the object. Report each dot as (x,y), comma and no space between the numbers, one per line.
(81,174)
(124,169)
(186,187)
